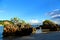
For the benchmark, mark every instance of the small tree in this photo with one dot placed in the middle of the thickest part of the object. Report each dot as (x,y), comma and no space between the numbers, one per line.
(15,20)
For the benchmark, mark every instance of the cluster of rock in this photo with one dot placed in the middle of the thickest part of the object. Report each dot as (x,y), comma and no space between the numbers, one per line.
(18,30)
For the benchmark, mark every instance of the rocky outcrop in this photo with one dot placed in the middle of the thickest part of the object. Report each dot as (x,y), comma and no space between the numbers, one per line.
(23,32)
(47,24)
(14,30)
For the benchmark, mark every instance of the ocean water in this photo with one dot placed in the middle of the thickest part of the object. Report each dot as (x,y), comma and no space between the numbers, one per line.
(1,31)
(37,36)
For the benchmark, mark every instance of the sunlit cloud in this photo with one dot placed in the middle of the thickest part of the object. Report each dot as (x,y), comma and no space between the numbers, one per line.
(34,21)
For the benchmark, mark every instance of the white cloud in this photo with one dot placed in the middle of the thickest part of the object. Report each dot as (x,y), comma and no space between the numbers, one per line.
(55,16)
(34,21)
(51,13)
(54,12)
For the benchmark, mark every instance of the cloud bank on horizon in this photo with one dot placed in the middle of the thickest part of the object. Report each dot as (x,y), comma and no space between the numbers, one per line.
(34,21)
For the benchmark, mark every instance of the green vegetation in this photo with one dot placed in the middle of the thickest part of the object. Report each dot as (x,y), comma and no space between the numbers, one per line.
(1,22)
(48,22)
(16,20)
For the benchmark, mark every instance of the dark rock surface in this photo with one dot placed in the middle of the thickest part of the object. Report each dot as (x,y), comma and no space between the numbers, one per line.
(23,32)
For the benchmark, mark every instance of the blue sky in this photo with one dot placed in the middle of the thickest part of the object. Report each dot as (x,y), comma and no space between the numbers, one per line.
(28,10)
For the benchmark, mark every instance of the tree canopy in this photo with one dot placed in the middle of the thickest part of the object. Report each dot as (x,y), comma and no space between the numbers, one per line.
(16,20)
